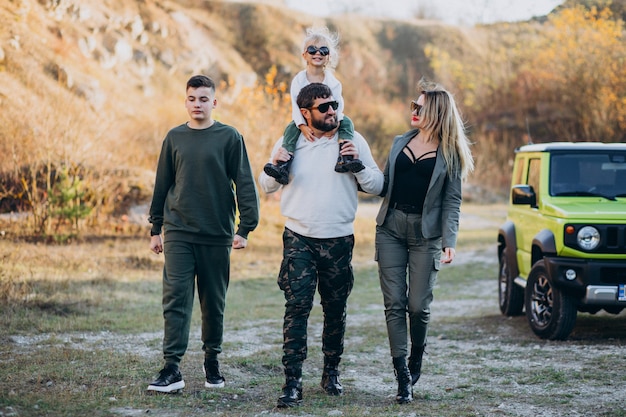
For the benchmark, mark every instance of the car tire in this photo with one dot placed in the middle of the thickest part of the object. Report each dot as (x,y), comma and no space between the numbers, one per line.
(551,314)
(511,295)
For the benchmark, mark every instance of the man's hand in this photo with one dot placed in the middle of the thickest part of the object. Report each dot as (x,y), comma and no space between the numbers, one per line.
(281,155)
(349,148)
(156,244)
(239,242)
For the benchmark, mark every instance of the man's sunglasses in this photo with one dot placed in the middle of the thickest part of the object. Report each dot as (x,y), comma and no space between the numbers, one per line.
(323,50)
(416,107)
(323,108)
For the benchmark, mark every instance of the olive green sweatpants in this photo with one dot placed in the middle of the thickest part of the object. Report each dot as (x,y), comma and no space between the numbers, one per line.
(188,264)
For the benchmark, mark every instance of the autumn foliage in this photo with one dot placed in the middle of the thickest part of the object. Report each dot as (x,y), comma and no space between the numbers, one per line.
(561,78)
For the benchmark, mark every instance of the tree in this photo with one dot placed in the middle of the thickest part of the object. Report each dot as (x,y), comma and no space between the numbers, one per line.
(67,199)
(575,77)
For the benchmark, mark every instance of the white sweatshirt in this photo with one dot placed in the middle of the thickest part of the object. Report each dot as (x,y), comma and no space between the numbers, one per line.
(319,202)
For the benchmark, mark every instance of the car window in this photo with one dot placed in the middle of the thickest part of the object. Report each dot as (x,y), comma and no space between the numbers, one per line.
(519,170)
(588,174)
(534,175)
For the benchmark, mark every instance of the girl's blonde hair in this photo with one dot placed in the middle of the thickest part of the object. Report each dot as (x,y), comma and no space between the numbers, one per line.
(444,120)
(325,37)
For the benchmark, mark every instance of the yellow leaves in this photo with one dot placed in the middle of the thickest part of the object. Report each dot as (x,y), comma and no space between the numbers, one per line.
(577,27)
(582,54)
(260,111)
(572,20)
(452,72)
(271,87)
(563,79)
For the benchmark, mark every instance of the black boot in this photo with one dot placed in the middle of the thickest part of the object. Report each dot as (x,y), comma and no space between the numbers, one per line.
(292,390)
(347,163)
(415,362)
(405,389)
(280,171)
(330,377)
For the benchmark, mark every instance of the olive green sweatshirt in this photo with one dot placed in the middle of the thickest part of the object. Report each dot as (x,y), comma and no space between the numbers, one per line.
(203,176)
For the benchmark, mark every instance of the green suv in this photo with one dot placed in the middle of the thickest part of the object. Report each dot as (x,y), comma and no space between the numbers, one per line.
(562,248)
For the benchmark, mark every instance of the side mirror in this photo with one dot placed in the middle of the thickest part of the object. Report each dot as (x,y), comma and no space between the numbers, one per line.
(524,194)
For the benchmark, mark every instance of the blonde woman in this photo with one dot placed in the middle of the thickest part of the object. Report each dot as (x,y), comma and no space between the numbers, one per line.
(418,222)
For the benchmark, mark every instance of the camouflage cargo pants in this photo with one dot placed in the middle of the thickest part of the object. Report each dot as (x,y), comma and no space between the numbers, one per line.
(308,264)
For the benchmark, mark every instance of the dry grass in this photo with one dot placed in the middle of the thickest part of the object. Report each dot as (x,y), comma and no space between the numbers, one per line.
(96,257)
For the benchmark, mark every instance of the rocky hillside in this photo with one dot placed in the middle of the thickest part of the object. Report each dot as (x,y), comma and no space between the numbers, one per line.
(97,83)
(94,85)
(115,52)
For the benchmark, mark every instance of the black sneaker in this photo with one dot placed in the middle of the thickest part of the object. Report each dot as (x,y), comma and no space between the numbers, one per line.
(280,171)
(354,165)
(292,393)
(170,380)
(348,164)
(214,378)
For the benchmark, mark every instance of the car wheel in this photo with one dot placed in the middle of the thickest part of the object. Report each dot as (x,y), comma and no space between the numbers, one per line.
(550,313)
(511,295)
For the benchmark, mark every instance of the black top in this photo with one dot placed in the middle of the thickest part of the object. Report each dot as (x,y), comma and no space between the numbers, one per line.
(412,178)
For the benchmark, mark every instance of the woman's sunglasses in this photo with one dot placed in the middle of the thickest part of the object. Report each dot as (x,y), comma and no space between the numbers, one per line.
(323,50)
(416,107)
(323,108)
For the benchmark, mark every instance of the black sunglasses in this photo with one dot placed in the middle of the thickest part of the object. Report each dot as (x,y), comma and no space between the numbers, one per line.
(323,108)
(416,107)
(323,50)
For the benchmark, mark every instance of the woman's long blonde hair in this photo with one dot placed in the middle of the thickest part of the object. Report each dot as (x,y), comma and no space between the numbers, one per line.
(444,122)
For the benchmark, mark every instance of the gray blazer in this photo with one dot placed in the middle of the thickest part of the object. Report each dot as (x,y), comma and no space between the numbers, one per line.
(442,206)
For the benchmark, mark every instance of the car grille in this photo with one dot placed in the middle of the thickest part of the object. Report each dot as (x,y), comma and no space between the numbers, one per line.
(612,275)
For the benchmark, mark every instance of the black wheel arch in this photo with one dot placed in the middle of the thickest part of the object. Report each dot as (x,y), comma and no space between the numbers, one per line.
(544,244)
(507,243)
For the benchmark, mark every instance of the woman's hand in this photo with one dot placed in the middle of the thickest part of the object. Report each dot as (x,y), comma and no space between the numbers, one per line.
(448,255)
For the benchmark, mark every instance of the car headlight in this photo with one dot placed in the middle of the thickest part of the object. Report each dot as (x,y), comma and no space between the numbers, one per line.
(588,238)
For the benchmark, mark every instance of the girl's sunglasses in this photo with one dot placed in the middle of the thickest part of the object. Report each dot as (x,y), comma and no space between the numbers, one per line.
(323,108)
(323,50)
(416,107)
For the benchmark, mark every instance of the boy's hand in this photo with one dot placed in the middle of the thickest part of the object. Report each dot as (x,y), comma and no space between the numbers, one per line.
(239,242)
(156,244)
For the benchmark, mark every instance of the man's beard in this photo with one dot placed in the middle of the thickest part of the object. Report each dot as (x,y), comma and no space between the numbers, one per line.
(324,124)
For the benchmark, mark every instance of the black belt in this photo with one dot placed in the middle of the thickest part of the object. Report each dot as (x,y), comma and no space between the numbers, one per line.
(407,208)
